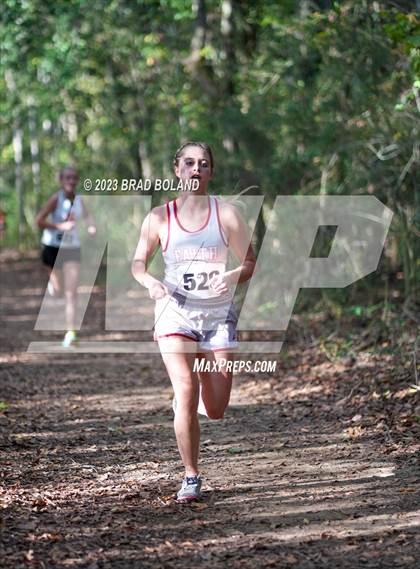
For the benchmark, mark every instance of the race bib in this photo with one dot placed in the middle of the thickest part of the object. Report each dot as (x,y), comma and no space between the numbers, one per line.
(195,279)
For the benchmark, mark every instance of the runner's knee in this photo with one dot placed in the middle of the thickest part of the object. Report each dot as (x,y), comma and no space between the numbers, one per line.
(186,392)
(71,294)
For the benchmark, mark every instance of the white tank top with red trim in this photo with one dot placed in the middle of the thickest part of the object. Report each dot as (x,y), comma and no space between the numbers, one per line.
(193,257)
(65,210)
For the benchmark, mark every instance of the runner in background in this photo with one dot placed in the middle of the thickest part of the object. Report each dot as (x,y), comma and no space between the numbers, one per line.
(59,218)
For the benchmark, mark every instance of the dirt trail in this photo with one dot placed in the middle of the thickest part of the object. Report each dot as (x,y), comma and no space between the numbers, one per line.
(311,467)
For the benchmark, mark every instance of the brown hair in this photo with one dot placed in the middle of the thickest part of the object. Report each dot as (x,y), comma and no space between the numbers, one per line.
(202,145)
(68,168)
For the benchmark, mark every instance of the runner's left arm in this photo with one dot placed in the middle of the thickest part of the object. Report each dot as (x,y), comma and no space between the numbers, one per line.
(240,241)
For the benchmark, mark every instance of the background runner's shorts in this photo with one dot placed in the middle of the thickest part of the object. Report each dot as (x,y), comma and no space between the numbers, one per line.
(49,255)
(214,328)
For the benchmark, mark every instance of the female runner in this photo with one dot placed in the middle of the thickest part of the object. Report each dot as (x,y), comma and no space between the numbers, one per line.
(60,233)
(194,313)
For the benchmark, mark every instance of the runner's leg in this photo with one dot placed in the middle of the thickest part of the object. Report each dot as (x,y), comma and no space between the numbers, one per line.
(71,270)
(179,365)
(216,385)
(55,276)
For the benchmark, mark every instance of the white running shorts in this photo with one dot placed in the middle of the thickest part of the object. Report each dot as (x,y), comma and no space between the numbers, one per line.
(213,327)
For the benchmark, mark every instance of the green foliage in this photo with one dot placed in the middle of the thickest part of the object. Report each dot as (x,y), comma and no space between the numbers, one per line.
(303,101)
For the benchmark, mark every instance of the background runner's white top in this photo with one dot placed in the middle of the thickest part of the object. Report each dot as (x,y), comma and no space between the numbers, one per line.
(64,211)
(193,257)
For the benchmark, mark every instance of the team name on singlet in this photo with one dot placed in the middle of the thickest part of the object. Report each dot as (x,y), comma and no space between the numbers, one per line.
(195,254)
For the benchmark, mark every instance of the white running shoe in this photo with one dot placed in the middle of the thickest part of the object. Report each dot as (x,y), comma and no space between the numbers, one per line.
(190,489)
(70,339)
(50,289)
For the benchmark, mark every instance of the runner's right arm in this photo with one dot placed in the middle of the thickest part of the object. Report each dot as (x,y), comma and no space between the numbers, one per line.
(44,212)
(148,241)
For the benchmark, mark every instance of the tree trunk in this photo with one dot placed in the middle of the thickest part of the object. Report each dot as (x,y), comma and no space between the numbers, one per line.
(227,30)
(17,151)
(198,39)
(199,68)
(230,143)
(146,165)
(34,145)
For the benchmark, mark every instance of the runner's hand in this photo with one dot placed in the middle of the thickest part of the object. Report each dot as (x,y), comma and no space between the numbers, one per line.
(157,290)
(66,225)
(91,230)
(220,283)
